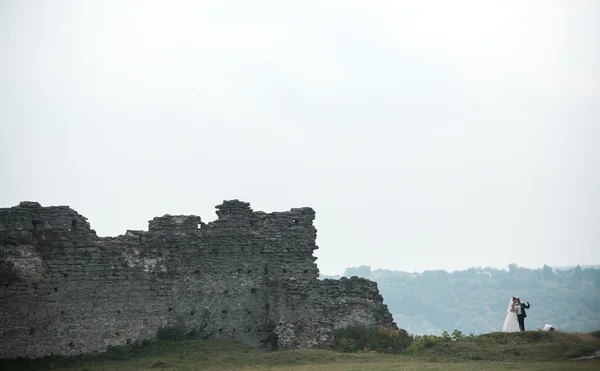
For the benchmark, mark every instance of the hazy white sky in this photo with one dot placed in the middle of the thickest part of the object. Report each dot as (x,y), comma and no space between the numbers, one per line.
(425,134)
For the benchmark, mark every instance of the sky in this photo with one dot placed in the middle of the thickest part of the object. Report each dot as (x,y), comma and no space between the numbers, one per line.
(425,134)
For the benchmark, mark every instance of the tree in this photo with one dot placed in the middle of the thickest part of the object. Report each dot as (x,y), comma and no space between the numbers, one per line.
(362,271)
(547,272)
(577,272)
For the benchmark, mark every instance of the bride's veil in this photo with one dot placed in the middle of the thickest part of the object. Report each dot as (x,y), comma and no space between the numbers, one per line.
(509,304)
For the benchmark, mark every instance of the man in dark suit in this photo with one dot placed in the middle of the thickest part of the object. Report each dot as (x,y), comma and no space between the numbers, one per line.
(521,314)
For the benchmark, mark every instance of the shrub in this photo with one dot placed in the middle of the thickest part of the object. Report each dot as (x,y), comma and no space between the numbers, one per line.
(427,341)
(173,333)
(360,338)
(457,335)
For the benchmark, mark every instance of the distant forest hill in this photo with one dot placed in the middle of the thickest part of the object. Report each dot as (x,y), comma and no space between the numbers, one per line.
(475,300)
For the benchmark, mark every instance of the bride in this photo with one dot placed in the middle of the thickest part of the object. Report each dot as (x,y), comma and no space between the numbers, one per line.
(511,323)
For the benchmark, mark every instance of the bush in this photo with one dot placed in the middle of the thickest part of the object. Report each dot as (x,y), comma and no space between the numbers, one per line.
(428,341)
(173,333)
(382,340)
(457,335)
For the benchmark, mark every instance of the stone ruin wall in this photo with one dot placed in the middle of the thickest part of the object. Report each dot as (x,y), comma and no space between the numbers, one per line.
(248,275)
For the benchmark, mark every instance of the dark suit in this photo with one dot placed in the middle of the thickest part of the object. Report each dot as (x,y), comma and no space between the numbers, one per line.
(523,315)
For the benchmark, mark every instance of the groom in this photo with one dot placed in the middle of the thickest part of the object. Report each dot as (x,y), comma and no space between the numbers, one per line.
(521,314)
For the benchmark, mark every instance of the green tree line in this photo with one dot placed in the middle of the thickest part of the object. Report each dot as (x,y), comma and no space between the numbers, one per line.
(475,300)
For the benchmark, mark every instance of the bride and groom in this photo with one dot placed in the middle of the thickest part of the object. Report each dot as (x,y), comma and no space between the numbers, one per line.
(515,316)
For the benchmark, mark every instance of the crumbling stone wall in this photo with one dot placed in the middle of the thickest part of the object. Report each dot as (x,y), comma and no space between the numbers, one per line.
(247,275)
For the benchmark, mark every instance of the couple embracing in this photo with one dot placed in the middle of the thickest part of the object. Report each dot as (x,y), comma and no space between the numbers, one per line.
(515,316)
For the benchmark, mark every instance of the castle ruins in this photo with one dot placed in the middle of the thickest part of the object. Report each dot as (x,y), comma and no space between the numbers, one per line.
(248,275)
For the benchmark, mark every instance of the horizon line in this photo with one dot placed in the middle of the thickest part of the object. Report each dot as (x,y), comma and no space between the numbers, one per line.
(583,266)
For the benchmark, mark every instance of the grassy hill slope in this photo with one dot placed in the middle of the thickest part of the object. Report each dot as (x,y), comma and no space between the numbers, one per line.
(496,351)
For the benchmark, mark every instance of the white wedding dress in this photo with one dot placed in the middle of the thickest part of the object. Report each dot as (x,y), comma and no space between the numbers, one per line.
(511,323)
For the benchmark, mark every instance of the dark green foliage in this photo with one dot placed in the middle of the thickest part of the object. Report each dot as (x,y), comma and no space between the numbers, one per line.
(359,338)
(174,333)
(429,341)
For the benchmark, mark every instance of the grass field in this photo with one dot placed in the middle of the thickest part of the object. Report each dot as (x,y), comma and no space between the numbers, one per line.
(530,350)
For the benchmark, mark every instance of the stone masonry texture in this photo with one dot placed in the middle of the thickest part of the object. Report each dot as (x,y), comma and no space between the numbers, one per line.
(248,275)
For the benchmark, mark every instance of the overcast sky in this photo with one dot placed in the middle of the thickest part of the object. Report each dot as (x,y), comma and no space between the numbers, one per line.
(425,134)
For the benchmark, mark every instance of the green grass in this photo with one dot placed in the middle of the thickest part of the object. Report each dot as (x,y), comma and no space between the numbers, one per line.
(528,345)
(530,350)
